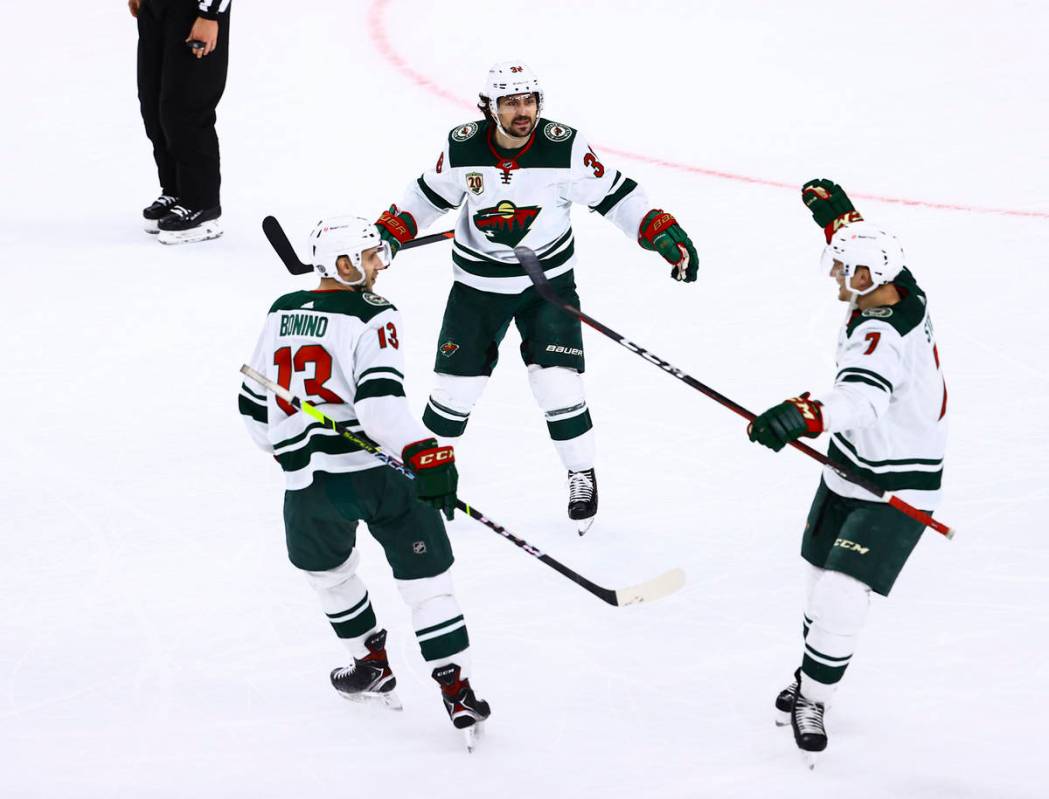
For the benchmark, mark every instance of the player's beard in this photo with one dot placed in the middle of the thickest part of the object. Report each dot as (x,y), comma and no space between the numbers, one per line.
(521,130)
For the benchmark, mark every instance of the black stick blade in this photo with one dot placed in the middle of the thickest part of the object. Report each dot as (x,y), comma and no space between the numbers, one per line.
(280,244)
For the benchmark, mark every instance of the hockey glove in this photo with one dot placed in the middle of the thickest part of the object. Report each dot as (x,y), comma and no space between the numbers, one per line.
(396,227)
(436,478)
(786,422)
(830,205)
(659,231)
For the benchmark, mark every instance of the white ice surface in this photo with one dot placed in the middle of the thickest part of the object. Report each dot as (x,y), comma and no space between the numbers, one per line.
(154,641)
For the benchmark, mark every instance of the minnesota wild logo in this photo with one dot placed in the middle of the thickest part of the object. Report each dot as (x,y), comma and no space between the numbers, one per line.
(555,131)
(505,223)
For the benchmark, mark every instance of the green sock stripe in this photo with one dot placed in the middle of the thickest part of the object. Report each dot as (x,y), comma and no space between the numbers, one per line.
(445,645)
(352,611)
(357,626)
(566,429)
(435,627)
(442,426)
(828,675)
(810,650)
(572,409)
(446,410)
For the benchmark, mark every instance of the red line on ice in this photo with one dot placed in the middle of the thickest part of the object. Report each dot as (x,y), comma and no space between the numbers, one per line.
(377,31)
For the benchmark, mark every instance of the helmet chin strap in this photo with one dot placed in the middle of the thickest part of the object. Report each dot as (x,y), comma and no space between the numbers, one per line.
(359,266)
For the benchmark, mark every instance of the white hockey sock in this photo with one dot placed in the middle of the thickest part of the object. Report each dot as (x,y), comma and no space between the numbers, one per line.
(836,611)
(451,401)
(438,621)
(559,392)
(344,599)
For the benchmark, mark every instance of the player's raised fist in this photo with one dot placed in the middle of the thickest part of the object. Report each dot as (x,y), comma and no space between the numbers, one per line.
(436,478)
(396,227)
(659,231)
(830,205)
(786,422)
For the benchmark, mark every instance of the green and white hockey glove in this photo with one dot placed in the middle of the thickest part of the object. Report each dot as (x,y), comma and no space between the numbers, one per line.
(786,422)
(396,227)
(830,205)
(659,231)
(436,478)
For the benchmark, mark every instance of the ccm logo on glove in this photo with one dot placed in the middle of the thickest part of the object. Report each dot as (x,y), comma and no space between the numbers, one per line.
(434,458)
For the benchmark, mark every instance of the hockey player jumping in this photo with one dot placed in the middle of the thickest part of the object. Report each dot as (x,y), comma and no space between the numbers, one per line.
(886,417)
(339,347)
(515,176)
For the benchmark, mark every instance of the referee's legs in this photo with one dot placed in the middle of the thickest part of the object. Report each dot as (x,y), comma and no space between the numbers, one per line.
(191,91)
(150,58)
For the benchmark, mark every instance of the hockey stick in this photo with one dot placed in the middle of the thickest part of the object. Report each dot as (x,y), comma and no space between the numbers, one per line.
(279,241)
(648,591)
(534,269)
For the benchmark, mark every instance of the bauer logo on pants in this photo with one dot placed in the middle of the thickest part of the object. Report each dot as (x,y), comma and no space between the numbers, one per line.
(559,349)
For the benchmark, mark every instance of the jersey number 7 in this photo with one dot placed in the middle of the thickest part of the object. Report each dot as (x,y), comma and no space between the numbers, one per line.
(286,363)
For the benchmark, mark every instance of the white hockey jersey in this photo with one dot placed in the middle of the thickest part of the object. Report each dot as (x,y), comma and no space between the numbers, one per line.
(339,351)
(519,196)
(887,413)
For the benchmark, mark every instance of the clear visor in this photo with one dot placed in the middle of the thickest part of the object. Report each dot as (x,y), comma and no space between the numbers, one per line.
(834,262)
(828,260)
(385,253)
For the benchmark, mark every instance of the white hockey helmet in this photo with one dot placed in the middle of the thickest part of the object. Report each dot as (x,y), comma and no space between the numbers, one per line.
(508,78)
(864,244)
(345,235)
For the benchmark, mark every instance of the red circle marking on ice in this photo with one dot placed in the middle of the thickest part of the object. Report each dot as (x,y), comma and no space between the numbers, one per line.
(377,31)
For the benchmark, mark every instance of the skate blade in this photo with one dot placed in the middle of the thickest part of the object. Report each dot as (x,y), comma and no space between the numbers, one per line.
(471,735)
(809,758)
(782,718)
(582,525)
(203,232)
(150,226)
(388,699)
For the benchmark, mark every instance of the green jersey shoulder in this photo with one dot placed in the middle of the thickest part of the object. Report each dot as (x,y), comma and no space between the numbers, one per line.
(469,144)
(904,316)
(363,305)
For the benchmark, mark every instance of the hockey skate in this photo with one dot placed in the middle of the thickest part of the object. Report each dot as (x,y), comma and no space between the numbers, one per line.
(582,499)
(806,718)
(156,211)
(369,678)
(464,708)
(785,701)
(184,225)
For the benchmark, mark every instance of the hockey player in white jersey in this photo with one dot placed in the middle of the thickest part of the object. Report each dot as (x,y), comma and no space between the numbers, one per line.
(886,418)
(515,176)
(339,347)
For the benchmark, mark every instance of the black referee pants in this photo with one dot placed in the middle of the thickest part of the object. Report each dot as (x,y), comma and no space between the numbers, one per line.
(178,94)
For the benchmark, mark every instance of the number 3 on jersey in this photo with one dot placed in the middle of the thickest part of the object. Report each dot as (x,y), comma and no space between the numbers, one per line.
(388,336)
(287,364)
